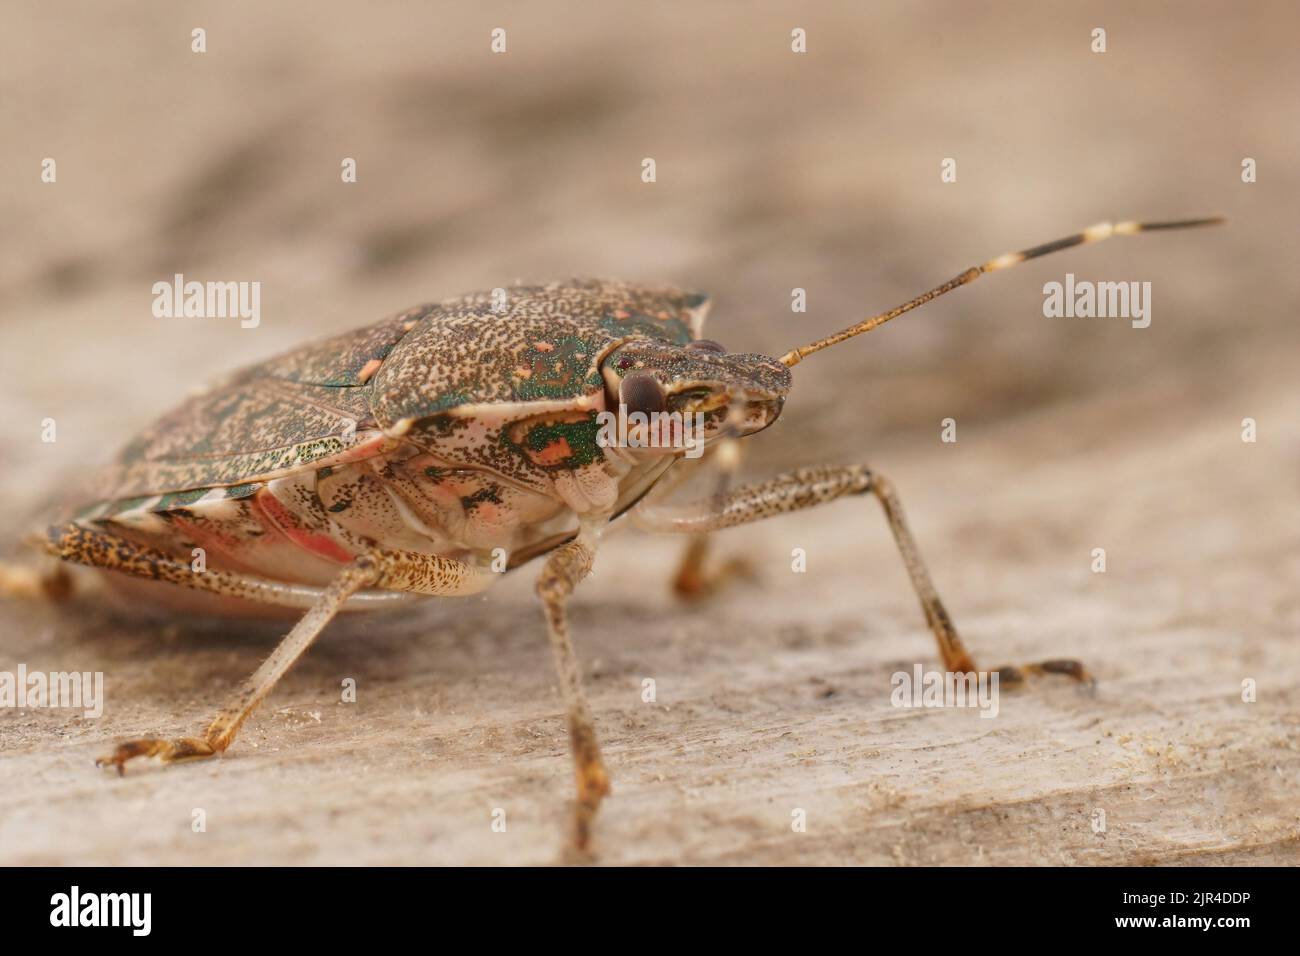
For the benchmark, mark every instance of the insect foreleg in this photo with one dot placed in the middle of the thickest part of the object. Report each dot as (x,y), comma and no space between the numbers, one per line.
(564,568)
(809,487)
(397,570)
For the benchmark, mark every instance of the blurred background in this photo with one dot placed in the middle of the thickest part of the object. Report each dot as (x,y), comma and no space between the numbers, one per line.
(775,170)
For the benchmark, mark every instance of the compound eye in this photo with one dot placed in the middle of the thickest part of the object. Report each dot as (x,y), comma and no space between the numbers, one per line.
(708,345)
(641,392)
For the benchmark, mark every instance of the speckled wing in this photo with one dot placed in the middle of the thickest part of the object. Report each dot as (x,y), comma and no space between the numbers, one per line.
(541,348)
(263,421)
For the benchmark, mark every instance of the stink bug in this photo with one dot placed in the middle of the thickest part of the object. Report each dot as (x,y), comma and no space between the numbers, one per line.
(421,455)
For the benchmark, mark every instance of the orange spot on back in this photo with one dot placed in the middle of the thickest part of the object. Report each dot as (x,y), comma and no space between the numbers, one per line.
(554,453)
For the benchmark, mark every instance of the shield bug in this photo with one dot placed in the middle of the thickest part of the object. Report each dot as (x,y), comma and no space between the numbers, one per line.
(421,455)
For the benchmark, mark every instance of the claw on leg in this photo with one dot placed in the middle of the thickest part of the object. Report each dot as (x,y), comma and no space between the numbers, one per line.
(593,786)
(168,751)
(1011,676)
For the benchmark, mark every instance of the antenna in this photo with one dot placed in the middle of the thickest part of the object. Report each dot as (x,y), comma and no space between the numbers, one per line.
(1092,234)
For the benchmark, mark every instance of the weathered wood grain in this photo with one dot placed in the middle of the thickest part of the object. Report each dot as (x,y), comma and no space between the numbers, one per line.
(775,171)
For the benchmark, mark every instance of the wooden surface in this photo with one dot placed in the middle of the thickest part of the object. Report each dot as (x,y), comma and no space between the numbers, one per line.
(774,172)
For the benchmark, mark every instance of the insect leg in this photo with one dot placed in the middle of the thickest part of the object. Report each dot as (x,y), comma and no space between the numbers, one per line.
(809,487)
(99,547)
(695,578)
(564,568)
(50,584)
(397,570)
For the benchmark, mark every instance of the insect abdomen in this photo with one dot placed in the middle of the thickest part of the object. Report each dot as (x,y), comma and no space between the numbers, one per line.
(303,527)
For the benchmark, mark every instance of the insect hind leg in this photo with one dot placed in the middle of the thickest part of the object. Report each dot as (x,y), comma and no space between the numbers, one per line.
(97,546)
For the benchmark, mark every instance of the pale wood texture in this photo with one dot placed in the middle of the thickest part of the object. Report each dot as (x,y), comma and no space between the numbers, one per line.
(775,171)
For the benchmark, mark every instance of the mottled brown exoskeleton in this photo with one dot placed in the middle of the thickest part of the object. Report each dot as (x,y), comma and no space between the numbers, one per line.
(423,454)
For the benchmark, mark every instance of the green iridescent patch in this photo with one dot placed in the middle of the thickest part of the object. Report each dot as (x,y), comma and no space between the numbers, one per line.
(563,367)
(580,438)
(127,504)
(178,499)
